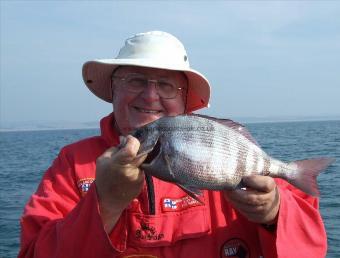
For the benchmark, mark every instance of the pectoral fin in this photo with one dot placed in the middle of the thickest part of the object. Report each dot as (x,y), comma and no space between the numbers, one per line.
(167,164)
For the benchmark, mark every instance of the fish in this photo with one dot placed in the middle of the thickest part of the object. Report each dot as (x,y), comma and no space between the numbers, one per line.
(198,152)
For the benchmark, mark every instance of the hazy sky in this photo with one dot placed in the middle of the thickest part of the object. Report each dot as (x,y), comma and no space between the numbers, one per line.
(263,58)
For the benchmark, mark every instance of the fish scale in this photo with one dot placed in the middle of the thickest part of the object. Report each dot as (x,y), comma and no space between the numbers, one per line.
(199,152)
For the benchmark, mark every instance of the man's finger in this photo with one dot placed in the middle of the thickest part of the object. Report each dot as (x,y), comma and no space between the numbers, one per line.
(110,152)
(128,151)
(259,183)
(248,197)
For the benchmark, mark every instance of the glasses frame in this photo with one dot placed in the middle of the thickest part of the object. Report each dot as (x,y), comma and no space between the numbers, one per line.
(156,82)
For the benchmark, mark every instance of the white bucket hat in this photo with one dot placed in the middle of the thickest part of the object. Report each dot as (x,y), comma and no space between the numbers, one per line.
(154,49)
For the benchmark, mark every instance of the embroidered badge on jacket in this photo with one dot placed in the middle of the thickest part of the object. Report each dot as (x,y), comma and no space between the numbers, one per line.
(148,232)
(179,204)
(235,248)
(84,185)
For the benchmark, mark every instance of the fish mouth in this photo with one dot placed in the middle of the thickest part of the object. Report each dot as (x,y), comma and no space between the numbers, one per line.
(154,153)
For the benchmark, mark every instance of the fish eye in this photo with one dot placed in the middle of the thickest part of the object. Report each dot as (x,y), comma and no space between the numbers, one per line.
(138,134)
(141,134)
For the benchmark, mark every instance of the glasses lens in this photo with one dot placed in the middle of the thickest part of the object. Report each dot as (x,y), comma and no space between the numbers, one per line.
(136,83)
(167,89)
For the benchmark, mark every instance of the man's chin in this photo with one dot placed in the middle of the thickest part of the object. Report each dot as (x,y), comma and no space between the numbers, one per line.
(141,120)
(146,120)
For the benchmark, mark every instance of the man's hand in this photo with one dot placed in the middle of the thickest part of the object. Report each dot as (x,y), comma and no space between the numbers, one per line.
(260,201)
(118,180)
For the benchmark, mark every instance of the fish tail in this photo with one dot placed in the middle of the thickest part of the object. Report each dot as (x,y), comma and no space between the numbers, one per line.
(305,175)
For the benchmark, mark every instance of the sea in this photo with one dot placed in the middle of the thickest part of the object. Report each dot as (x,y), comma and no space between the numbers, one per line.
(25,155)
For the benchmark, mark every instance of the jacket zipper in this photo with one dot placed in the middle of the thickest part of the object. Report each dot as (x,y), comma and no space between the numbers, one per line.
(151,194)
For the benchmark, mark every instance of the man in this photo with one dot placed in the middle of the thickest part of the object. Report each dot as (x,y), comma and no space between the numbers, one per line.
(94,201)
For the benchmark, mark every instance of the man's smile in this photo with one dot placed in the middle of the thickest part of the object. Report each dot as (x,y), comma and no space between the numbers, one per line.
(148,111)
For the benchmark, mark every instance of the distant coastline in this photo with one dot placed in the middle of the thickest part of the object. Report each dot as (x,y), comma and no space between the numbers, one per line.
(65,125)
(47,126)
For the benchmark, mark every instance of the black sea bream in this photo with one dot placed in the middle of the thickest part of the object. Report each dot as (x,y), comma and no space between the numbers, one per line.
(198,152)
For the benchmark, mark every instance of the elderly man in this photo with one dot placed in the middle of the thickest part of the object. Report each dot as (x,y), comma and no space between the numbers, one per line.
(94,201)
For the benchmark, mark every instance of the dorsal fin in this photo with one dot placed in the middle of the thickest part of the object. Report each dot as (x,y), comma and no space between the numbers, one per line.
(231,124)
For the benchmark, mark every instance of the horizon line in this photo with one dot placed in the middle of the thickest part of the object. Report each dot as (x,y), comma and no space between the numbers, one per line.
(95,125)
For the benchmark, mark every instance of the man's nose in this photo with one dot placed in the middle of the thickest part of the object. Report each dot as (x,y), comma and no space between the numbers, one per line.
(150,92)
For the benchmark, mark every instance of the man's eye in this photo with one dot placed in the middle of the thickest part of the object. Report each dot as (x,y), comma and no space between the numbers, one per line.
(166,86)
(137,81)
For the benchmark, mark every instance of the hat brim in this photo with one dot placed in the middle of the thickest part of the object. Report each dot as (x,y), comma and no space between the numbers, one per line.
(97,77)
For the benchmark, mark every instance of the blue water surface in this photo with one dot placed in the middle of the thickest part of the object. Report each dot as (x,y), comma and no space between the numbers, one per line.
(24,156)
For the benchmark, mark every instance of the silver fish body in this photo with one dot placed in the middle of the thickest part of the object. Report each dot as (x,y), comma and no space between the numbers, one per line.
(198,152)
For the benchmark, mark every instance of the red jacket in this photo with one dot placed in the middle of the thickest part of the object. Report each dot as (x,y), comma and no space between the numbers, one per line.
(62,218)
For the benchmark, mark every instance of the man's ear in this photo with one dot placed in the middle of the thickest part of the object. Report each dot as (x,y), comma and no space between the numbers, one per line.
(112,90)
(112,83)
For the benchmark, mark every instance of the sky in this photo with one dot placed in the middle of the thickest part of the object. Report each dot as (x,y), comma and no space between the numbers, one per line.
(262,58)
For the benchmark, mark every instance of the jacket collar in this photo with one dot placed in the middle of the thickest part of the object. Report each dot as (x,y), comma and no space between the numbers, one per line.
(108,131)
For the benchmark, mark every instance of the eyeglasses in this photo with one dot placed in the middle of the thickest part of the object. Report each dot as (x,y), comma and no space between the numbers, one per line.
(137,83)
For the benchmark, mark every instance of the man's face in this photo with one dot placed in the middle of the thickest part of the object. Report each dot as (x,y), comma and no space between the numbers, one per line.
(133,110)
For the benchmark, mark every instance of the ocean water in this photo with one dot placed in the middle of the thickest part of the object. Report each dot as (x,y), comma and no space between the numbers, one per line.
(24,156)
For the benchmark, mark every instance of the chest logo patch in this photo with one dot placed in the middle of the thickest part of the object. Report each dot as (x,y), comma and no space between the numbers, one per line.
(179,204)
(84,185)
(148,232)
(235,248)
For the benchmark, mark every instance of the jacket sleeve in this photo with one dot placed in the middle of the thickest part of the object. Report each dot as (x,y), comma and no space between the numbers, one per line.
(300,231)
(58,222)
